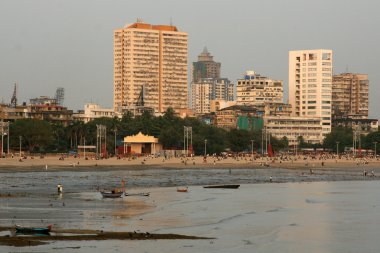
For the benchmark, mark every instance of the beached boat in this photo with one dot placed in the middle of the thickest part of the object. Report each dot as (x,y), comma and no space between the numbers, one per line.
(146,194)
(33,230)
(111,194)
(228,186)
(183,189)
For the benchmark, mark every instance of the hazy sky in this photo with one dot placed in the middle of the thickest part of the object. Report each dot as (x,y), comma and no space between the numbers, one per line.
(45,44)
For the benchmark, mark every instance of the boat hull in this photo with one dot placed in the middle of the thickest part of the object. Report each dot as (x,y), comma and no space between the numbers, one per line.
(34,231)
(224,186)
(111,195)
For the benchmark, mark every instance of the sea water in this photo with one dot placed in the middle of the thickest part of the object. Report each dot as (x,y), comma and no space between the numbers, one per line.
(272,217)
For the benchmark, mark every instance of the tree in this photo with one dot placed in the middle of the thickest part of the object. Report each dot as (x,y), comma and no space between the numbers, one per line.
(36,134)
(339,134)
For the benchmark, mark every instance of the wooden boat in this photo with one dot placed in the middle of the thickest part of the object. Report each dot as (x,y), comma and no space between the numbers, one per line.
(111,194)
(146,194)
(186,189)
(33,230)
(227,186)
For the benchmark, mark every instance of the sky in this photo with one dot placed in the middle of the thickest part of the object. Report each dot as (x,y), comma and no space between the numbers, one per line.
(46,44)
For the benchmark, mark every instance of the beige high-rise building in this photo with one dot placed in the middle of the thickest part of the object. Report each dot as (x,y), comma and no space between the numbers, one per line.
(255,89)
(150,67)
(350,95)
(310,84)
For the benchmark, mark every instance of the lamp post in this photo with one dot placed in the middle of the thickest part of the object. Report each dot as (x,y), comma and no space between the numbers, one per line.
(20,137)
(205,147)
(337,148)
(375,142)
(252,150)
(115,131)
(2,138)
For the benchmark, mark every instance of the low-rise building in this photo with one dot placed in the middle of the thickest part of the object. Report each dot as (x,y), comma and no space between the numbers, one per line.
(255,89)
(141,144)
(93,111)
(365,126)
(294,127)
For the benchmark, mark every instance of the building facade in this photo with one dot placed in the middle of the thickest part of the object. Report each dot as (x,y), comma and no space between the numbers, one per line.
(350,95)
(205,67)
(201,96)
(150,67)
(310,85)
(94,111)
(294,127)
(255,89)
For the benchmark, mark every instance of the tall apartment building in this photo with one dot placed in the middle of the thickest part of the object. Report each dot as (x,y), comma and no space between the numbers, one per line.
(201,96)
(205,67)
(310,84)
(350,95)
(209,89)
(255,89)
(150,67)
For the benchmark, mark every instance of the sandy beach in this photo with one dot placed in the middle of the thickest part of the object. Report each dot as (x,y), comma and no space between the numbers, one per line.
(81,164)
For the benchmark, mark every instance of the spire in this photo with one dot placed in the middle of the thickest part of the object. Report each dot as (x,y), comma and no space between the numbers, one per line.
(205,51)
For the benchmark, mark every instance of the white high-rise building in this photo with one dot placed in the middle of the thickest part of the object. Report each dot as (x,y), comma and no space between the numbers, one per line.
(310,85)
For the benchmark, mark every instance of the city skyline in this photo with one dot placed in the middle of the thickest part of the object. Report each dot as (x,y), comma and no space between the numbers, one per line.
(75,50)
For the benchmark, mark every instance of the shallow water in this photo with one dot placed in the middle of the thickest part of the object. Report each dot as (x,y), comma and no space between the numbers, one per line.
(286,217)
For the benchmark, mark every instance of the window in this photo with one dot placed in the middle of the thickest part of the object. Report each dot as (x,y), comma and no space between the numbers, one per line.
(311,113)
(326,74)
(326,63)
(312,69)
(312,85)
(326,91)
(326,123)
(311,107)
(312,64)
(326,69)
(326,118)
(312,91)
(326,107)
(312,74)
(326,56)
(326,113)
(326,102)
(325,85)
(311,80)
(326,96)
(312,102)
(312,96)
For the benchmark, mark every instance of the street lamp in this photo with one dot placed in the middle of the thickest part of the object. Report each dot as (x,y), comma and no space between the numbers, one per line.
(252,149)
(20,137)
(115,131)
(205,147)
(375,142)
(337,148)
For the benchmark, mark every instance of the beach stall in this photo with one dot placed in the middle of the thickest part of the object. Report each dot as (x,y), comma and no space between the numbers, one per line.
(141,144)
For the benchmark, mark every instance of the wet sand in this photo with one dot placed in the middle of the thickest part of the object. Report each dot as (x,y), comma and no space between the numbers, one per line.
(85,235)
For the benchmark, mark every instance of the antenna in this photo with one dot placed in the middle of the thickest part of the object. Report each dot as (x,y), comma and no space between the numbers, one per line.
(346,69)
(14,97)
(140,20)
(171,21)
